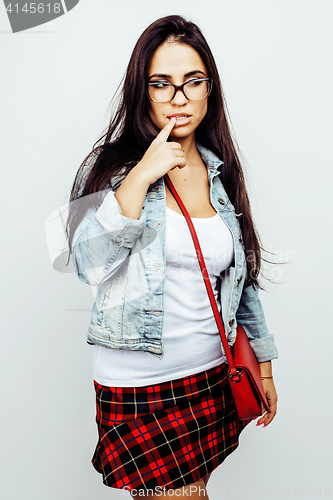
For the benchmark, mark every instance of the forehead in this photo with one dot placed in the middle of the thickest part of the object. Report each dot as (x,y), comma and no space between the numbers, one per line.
(175,58)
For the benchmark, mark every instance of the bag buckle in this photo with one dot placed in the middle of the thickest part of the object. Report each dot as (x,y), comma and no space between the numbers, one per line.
(239,374)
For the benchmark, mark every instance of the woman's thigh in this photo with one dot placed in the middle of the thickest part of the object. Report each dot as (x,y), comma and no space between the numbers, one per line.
(196,491)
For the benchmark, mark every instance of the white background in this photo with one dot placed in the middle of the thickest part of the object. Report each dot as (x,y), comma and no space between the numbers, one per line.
(274,57)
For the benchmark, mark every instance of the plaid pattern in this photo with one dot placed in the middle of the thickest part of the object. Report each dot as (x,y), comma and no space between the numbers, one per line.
(166,435)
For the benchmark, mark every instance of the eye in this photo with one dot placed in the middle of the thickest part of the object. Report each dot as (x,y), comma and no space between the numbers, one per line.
(195,82)
(160,85)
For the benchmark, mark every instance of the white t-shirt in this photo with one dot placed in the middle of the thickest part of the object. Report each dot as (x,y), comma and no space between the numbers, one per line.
(191,338)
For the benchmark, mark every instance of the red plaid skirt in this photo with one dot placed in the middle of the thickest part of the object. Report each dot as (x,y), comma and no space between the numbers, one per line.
(165,435)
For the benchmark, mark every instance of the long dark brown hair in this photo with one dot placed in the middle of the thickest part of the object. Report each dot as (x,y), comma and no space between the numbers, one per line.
(131,132)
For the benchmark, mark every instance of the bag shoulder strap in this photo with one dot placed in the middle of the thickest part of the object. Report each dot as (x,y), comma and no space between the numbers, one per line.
(205,277)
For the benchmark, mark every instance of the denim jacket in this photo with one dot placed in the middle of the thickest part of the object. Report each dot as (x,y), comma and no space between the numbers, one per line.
(124,259)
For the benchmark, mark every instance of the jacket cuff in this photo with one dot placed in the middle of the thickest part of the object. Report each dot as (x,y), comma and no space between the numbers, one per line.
(264,348)
(109,215)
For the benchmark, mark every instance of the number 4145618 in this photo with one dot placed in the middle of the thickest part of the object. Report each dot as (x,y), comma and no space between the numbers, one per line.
(35,7)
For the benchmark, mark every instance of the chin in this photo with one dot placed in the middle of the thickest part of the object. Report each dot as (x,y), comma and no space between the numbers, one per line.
(181,132)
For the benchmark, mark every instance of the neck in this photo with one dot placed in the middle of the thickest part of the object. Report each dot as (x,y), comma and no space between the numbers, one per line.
(188,146)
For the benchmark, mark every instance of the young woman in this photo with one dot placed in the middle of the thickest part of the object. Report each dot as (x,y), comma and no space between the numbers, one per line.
(165,414)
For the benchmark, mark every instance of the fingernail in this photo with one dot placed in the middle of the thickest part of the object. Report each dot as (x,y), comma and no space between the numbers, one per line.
(173,118)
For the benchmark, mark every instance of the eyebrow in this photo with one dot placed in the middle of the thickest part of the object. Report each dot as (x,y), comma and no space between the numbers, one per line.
(162,75)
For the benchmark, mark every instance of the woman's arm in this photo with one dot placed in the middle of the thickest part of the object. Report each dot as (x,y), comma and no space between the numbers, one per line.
(250,315)
(270,391)
(105,237)
(103,241)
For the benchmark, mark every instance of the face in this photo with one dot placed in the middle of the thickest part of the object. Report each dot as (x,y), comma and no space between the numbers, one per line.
(177,63)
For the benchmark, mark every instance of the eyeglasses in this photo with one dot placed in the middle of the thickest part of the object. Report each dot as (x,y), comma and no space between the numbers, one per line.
(196,89)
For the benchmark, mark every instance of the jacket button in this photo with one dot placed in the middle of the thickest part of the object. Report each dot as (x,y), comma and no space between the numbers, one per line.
(221,201)
(231,322)
(239,280)
(120,240)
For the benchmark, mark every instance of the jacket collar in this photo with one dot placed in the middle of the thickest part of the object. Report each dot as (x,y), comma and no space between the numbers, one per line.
(214,164)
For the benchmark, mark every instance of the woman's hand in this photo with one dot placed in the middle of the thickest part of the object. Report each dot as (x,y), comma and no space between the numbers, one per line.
(271,395)
(161,156)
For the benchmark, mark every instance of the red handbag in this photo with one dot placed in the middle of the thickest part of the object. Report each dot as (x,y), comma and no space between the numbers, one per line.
(244,372)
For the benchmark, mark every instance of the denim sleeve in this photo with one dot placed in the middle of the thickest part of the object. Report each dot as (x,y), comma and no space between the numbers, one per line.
(250,316)
(103,241)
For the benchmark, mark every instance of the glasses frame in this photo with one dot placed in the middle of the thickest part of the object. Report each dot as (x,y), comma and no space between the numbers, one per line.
(181,87)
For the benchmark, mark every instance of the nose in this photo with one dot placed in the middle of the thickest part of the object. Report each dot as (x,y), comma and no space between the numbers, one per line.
(179,98)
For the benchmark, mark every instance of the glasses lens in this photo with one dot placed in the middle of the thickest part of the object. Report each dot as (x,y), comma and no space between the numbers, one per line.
(195,90)
(161,92)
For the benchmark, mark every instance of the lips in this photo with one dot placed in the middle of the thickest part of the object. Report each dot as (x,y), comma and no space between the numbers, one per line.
(180,116)
(182,119)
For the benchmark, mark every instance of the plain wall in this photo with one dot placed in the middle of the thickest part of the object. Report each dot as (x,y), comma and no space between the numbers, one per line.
(56,85)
